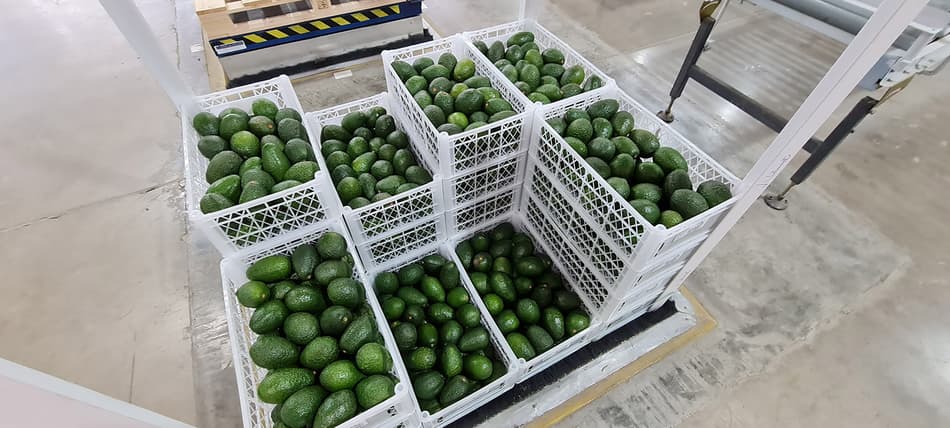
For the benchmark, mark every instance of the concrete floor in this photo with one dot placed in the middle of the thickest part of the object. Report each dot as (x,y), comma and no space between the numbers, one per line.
(830,313)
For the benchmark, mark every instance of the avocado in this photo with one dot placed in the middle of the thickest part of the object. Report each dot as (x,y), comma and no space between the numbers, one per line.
(403,70)
(279,384)
(340,375)
(455,388)
(374,390)
(273,352)
(603,108)
(520,346)
(337,408)
(688,203)
(714,192)
(210,145)
(205,123)
(335,319)
(553,321)
(360,332)
(223,164)
(474,339)
(270,269)
(300,408)
(539,338)
(228,186)
(427,385)
(669,159)
(268,317)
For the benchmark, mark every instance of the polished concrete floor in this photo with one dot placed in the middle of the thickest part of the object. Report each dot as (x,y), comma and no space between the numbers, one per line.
(830,313)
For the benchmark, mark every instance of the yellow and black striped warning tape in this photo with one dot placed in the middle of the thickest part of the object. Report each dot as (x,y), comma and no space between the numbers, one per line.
(315,28)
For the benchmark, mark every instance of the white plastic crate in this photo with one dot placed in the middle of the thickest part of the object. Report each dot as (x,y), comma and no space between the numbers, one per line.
(502,350)
(396,212)
(396,411)
(476,215)
(545,40)
(453,154)
(545,239)
(407,241)
(250,223)
(619,240)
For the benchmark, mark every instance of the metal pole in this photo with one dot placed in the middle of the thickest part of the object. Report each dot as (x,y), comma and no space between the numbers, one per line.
(706,25)
(126,15)
(860,110)
(887,23)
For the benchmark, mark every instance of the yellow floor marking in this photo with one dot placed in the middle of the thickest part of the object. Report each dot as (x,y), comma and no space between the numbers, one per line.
(705,324)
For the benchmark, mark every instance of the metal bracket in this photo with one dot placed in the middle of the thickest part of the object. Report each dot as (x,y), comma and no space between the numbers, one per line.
(707,9)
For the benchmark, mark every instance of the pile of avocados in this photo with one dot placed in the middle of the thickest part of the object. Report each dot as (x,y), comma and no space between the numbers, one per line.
(439,331)
(317,336)
(252,155)
(369,159)
(539,74)
(527,298)
(654,179)
(451,95)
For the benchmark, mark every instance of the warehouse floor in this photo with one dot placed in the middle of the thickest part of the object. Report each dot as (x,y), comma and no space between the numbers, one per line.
(830,313)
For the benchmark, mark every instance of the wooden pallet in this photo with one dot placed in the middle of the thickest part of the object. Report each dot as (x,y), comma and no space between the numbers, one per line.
(216,15)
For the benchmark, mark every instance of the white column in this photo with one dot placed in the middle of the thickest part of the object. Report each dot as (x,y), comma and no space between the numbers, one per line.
(877,35)
(126,15)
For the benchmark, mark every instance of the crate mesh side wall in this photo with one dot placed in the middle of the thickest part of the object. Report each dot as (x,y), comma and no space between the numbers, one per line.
(404,209)
(480,213)
(573,178)
(380,251)
(398,210)
(576,268)
(272,216)
(605,259)
(468,149)
(473,185)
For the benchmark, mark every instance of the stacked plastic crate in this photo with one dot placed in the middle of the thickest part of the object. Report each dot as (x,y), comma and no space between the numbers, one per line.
(482,169)
(254,222)
(403,224)
(516,170)
(632,260)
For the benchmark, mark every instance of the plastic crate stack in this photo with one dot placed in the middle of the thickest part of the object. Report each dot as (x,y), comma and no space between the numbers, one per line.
(516,170)
(482,169)
(632,261)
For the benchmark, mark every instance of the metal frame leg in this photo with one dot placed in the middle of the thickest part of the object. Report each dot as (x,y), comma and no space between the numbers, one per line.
(706,25)
(862,109)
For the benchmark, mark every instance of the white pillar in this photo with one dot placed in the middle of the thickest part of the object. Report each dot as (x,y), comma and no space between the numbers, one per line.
(874,39)
(126,15)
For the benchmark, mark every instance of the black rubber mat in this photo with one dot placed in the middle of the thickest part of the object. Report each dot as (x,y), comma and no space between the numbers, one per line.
(562,368)
(330,61)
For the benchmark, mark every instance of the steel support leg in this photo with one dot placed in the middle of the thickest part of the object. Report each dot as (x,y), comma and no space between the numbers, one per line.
(692,56)
(861,110)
